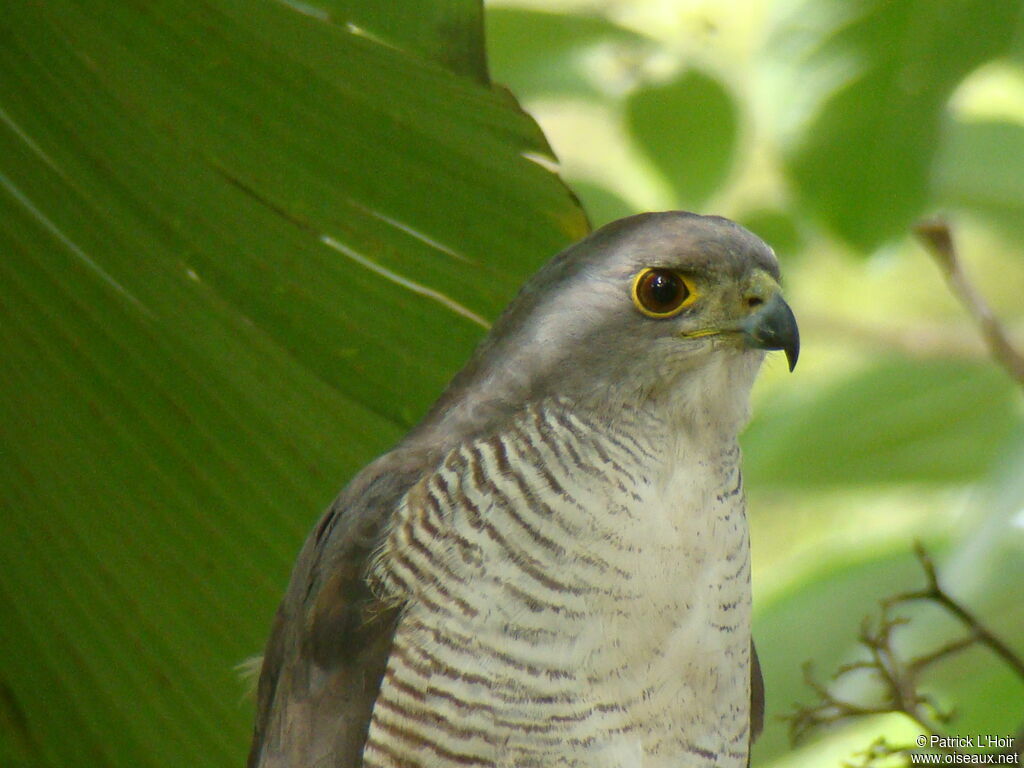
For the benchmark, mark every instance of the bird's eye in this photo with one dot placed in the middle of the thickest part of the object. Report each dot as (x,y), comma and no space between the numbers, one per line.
(662,292)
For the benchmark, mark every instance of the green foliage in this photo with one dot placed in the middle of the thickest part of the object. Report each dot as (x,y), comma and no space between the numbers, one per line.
(247,243)
(243,248)
(877,78)
(843,124)
(980,167)
(898,421)
(449,32)
(776,227)
(602,206)
(538,53)
(688,127)
(817,621)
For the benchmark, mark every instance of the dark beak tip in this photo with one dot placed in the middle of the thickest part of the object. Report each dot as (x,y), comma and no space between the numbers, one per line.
(774,328)
(792,355)
(792,339)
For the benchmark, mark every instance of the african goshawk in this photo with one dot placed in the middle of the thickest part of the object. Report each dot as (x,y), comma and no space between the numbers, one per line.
(552,569)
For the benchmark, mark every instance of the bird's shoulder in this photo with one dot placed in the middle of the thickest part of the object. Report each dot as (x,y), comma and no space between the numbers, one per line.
(331,637)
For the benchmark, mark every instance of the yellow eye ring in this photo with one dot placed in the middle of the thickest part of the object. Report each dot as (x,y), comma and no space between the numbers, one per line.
(661,293)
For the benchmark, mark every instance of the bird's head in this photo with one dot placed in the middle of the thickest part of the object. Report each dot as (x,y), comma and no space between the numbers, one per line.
(671,308)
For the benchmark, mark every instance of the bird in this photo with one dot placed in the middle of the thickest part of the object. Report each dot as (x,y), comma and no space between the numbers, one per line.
(553,567)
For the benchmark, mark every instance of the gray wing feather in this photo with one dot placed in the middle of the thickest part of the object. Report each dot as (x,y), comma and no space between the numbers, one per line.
(756,697)
(329,646)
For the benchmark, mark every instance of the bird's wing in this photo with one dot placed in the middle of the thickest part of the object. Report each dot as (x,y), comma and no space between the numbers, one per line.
(331,637)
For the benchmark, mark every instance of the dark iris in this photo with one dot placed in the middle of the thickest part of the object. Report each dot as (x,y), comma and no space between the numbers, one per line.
(661,291)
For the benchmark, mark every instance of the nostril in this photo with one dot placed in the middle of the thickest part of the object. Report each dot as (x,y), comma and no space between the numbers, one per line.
(754,301)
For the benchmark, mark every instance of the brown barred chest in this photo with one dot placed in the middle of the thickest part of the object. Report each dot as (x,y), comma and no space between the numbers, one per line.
(576,594)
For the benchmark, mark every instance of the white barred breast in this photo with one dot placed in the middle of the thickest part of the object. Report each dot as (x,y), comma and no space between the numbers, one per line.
(577,593)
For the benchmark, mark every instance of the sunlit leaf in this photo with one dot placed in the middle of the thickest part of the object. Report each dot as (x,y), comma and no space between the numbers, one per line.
(688,127)
(538,53)
(870,80)
(778,228)
(980,168)
(895,422)
(449,32)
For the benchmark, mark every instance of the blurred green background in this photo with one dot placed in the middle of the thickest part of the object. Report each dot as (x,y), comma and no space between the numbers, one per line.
(244,244)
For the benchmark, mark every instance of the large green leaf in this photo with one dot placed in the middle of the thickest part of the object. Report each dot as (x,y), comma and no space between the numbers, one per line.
(870,80)
(778,227)
(538,53)
(449,32)
(688,127)
(897,421)
(980,167)
(244,247)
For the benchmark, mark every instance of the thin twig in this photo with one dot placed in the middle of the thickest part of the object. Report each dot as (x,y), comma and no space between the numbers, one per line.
(936,236)
(934,592)
(899,677)
(942,652)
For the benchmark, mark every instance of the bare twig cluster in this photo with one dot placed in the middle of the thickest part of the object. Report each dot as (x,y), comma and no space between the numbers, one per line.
(899,677)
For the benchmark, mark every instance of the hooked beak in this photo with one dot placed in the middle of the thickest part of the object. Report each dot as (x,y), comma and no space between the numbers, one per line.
(772,327)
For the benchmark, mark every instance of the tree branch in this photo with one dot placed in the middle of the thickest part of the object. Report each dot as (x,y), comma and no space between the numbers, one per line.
(899,677)
(978,632)
(937,237)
